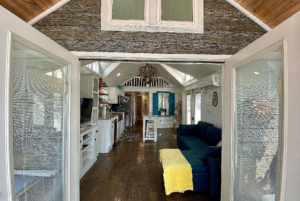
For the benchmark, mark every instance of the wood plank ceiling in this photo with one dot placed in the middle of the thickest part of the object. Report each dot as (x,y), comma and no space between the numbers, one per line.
(27,9)
(271,12)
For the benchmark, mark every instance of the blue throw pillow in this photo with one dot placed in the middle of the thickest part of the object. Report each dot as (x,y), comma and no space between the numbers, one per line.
(188,129)
(213,135)
(202,128)
(214,152)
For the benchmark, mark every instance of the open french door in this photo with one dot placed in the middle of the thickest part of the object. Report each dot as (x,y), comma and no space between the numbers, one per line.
(39,122)
(189,118)
(260,157)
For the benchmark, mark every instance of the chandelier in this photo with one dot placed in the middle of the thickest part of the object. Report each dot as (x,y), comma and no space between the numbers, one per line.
(148,73)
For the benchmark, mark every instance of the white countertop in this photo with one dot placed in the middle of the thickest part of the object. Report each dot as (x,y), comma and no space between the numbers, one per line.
(149,115)
(108,117)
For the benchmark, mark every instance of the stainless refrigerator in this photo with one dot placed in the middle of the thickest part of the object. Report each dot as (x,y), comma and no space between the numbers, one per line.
(128,107)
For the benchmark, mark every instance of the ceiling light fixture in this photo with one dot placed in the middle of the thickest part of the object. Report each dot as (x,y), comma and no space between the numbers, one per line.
(148,73)
(256,73)
(118,74)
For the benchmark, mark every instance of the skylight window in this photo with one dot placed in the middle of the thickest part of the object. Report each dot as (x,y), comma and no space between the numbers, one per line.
(182,16)
(93,66)
(188,78)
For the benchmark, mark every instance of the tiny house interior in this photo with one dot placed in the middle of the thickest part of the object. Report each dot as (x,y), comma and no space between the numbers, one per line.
(124,104)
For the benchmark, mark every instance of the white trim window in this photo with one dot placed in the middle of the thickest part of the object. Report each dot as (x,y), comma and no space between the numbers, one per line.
(181,16)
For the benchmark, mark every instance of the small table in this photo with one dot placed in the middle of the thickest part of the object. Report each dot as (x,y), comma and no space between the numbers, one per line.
(153,118)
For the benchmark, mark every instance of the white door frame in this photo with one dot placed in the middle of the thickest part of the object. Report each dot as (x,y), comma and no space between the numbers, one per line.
(186,101)
(151,57)
(11,25)
(195,91)
(286,33)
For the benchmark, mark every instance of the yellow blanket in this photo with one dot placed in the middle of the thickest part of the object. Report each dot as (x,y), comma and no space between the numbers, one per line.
(177,171)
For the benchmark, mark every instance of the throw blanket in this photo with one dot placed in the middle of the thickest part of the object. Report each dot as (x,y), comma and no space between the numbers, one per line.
(177,171)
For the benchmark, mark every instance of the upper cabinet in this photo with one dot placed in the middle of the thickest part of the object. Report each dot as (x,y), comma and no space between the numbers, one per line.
(113,93)
(163,103)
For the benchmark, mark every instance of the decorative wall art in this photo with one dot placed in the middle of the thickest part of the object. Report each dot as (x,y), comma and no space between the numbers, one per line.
(215,99)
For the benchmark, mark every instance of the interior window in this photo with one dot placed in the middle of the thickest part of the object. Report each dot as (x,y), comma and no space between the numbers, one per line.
(128,9)
(177,10)
(179,16)
(96,67)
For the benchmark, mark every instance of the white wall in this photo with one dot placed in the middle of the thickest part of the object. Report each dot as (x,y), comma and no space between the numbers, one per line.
(163,122)
(210,113)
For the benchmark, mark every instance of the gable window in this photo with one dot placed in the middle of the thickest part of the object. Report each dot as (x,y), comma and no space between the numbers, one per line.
(181,16)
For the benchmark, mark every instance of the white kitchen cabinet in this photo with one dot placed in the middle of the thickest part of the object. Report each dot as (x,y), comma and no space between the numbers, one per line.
(112,127)
(106,134)
(121,125)
(113,93)
(96,144)
(120,132)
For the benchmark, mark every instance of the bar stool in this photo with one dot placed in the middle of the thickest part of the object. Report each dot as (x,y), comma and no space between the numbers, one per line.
(150,133)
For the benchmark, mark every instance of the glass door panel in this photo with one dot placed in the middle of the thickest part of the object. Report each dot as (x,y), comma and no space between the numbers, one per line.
(188,109)
(257,127)
(197,111)
(39,124)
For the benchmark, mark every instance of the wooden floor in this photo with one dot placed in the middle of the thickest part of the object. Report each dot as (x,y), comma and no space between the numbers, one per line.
(132,171)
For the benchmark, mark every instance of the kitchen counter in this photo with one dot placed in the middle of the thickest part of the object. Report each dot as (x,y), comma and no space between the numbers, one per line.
(107,117)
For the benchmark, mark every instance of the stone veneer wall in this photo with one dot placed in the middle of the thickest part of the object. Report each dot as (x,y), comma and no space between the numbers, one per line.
(77,27)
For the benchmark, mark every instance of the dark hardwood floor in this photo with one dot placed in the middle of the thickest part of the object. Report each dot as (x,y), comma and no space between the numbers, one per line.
(132,171)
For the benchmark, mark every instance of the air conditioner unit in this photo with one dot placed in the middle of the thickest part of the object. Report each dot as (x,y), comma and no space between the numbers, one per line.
(210,81)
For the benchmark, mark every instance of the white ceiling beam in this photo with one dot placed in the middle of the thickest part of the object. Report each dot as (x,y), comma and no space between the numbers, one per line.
(173,73)
(110,69)
(188,58)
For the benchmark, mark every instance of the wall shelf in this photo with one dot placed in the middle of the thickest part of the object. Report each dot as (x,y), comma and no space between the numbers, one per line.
(100,103)
(87,138)
(102,85)
(86,148)
(86,154)
(103,94)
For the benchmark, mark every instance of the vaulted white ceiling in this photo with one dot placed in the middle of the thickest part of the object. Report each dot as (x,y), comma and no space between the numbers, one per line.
(174,73)
(197,71)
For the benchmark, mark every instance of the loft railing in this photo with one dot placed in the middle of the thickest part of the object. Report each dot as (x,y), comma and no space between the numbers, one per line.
(137,82)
